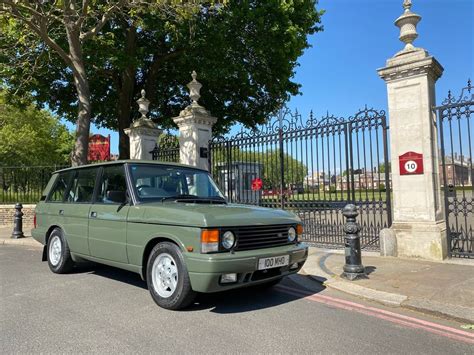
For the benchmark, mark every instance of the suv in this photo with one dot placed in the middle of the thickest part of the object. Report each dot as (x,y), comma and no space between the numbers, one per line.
(167,222)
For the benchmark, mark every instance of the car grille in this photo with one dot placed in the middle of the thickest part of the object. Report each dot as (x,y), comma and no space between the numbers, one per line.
(257,237)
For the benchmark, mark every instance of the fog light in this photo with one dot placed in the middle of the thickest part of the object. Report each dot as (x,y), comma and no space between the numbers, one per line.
(228,278)
(294,266)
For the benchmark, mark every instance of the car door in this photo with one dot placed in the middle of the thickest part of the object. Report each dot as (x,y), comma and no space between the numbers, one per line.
(76,209)
(53,213)
(108,219)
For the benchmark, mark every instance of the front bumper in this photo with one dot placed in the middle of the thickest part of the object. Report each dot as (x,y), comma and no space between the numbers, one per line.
(205,270)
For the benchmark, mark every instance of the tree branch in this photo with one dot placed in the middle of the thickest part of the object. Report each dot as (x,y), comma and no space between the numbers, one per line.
(84,12)
(101,23)
(40,30)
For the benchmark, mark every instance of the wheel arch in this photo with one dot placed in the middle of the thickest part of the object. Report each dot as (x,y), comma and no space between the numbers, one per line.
(149,247)
(49,231)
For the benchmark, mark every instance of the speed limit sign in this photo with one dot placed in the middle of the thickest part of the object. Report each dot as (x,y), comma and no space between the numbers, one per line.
(410,166)
(411,163)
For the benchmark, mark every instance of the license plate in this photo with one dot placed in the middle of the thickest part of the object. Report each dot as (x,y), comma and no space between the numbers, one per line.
(274,261)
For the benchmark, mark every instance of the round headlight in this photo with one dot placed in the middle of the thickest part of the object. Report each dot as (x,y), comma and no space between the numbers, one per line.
(228,240)
(291,234)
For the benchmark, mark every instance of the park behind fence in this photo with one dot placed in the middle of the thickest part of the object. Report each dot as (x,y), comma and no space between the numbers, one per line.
(24,184)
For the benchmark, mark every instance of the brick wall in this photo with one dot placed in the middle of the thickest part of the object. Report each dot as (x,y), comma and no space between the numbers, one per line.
(7,213)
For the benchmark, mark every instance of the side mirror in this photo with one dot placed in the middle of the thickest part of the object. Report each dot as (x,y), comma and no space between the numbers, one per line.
(117,196)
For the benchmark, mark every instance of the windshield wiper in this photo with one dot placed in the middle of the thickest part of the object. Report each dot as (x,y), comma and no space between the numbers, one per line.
(189,197)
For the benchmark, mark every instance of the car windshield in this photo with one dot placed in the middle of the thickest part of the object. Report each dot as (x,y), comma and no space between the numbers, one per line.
(168,183)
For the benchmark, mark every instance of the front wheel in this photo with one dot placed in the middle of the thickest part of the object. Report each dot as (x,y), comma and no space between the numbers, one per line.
(167,277)
(59,256)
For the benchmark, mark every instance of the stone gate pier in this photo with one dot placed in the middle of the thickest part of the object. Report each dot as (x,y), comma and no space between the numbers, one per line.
(418,228)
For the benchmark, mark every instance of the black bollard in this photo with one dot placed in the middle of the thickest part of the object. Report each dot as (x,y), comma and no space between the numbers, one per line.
(353,269)
(18,222)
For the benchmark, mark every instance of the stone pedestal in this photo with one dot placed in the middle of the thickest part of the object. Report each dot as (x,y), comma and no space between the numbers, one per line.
(195,130)
(417,209)
(142,141)
(143,133)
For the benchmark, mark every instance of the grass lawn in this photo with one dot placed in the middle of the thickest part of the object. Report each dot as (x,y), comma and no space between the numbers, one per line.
(335,196)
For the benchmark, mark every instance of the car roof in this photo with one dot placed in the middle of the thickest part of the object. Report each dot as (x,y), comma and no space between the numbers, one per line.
(131,161)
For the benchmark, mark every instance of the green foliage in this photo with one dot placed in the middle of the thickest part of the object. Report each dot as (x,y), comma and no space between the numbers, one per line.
(29,136)
(382,167)
(245,54)
(382,187)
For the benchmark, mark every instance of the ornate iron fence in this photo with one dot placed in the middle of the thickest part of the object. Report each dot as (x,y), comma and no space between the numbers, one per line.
(455,119)
(167,149)
(312,167)
(24,184)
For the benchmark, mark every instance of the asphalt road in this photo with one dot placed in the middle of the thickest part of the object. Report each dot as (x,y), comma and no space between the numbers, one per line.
(100,309)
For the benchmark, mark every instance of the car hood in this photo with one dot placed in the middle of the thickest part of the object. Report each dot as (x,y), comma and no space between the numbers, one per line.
(210,215)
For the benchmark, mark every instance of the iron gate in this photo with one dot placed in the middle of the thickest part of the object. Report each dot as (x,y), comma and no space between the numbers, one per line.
(167,149)
(313,168)
(456,144)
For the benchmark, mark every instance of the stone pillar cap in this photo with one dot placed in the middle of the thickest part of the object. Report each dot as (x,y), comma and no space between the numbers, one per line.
(407,24)
(194,113)
(143,121)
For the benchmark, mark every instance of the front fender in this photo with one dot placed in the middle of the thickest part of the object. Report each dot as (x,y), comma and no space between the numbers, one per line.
(141,235)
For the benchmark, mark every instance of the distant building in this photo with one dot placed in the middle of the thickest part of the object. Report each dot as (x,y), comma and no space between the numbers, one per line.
(316,180)
(364,180)
(458,169)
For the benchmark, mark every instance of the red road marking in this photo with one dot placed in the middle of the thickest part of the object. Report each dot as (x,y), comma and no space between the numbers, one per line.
(431,327)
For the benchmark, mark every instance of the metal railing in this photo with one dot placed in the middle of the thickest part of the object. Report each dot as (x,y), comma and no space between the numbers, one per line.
(24,184)
(313,167)
(455,120)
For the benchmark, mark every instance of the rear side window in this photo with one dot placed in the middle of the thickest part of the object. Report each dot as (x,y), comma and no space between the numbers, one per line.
(113,179)
(82,186)
(60,186)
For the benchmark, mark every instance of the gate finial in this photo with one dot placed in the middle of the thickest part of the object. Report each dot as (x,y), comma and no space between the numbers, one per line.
(407,5)
(407,24)
(194,88)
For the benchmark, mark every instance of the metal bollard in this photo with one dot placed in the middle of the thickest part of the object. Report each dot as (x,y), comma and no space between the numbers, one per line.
(18,222)
(353,269)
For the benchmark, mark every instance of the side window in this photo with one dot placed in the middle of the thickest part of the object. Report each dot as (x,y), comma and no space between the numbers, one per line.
(60,186)
(113,179)
(82,186)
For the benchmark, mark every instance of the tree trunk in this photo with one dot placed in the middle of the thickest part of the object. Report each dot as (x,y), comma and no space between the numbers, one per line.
(126,90)
(83,123)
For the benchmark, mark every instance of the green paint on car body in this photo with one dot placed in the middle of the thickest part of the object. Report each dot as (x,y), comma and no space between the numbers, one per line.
(123,234)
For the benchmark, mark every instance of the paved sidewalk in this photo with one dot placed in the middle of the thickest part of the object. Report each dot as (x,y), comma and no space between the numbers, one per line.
(6,233)
(444,288)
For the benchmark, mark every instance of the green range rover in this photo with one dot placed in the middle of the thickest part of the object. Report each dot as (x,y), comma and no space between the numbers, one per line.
(167,222)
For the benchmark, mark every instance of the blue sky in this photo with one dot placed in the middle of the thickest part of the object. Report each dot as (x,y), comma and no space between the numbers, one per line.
(338,74)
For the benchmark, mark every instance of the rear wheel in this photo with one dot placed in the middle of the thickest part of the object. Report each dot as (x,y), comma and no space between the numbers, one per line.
(167,277)
(59,256)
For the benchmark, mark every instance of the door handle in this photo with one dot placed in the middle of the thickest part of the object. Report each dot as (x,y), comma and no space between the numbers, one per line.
(61,212)
(93,214)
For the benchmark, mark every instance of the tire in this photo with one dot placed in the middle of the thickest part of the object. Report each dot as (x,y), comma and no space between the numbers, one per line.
(167,277)
(58,253)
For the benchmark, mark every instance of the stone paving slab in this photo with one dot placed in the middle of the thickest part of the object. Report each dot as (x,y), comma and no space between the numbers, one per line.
(442,288)
(6,233)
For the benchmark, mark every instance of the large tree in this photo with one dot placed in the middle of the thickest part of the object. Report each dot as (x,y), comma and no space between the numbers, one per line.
(61,30)
(245,54)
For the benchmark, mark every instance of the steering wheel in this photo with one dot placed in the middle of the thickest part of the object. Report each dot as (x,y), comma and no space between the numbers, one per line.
(139,187)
